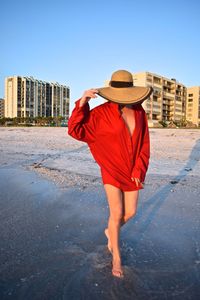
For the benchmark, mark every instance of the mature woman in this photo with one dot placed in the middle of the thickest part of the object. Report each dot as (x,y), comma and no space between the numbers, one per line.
(118,137)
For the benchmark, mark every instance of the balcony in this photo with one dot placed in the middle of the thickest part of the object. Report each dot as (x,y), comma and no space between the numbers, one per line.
(167,102)
(148,104)
(156,109)
(165,114)
(168,93)
(167,110)
(157,85)
(157,93)
(149,79)
(178,98)
(157,79)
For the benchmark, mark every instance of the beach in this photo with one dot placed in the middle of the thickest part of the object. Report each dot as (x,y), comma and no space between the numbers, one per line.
(54,212)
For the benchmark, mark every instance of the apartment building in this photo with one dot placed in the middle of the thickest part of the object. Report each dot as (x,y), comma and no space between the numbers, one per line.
(2,111)
(29,97)
(193,105)
(168,100)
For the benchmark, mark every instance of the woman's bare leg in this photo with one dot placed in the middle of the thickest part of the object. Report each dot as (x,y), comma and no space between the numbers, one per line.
(130,202)
(114,196)
(109,245)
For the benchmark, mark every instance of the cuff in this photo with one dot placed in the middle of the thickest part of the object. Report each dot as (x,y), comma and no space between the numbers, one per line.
(84,108)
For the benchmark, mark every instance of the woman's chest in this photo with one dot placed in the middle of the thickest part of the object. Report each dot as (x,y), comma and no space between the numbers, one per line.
(128,117)
(120,126)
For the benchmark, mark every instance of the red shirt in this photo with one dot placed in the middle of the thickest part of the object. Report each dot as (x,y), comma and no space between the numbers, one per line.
(120,156)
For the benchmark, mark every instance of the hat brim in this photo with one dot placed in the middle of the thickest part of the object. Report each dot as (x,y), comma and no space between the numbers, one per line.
(129,95)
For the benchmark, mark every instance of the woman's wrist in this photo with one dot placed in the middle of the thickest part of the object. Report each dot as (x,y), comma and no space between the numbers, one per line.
(87,96)
(83,101)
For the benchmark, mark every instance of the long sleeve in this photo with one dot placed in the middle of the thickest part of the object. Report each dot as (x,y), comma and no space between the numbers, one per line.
(142,161)
(82,123)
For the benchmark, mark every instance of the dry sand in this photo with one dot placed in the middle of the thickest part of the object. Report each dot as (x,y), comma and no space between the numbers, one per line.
(57,156)
(53,212)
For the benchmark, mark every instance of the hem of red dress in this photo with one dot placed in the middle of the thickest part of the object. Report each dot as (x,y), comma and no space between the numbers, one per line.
(124,189)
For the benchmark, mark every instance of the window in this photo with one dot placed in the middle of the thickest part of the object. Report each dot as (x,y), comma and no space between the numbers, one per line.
(155,98)
(190,95)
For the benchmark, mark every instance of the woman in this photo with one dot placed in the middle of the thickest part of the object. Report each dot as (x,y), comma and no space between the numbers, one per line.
(118,137)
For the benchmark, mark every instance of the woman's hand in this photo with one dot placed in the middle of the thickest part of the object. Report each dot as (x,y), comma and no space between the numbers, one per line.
(87,96)
(137,182)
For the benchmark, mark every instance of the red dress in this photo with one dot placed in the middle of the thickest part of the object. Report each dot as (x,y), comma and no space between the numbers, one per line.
(121,157)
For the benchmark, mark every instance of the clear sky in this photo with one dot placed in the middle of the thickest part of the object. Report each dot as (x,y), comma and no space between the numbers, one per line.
(81,43)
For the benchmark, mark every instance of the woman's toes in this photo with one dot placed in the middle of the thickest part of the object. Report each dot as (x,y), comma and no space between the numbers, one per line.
(117,270)
(117,273)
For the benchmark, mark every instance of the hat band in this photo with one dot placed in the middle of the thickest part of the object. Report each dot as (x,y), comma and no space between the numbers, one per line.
(120,84)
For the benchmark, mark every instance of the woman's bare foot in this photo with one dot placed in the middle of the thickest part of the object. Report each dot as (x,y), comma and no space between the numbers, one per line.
(117,270)
(109,242)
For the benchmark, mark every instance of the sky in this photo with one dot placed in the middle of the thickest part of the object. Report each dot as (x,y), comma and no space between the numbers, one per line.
(81,43)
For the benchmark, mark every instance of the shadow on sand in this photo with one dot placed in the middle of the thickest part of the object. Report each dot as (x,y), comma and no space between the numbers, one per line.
(154,203)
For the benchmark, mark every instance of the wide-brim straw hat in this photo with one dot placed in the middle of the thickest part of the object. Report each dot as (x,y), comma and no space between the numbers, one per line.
(121,89)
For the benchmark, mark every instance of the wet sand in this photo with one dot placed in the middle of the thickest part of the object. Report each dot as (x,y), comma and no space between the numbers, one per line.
(53,212)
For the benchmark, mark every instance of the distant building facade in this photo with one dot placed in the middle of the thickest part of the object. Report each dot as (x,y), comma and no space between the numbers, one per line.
(193,105)
(29,97)
(168,100)
(2,110)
